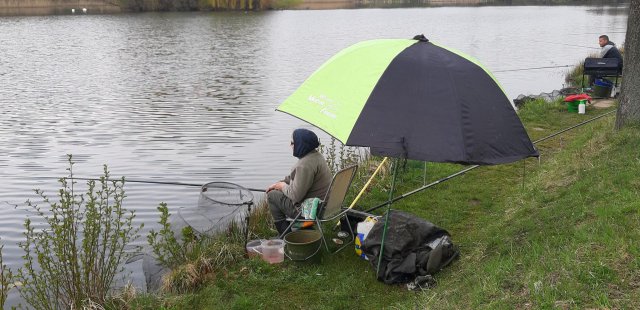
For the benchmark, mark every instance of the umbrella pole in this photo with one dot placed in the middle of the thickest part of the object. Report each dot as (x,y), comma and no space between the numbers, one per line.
(386,219)
(424,179)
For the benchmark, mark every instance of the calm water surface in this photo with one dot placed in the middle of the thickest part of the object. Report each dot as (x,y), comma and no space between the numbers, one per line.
(191,97)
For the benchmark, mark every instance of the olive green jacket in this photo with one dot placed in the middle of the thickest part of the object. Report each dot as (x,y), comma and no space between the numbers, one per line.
(310,177)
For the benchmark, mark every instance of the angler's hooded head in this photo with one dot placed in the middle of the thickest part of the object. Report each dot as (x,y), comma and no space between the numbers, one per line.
(304,141)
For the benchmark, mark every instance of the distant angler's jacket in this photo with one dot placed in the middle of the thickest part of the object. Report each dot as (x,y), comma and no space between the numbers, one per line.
(611,51)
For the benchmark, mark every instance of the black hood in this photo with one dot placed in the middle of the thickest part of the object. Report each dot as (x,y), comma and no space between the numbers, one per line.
(304,141)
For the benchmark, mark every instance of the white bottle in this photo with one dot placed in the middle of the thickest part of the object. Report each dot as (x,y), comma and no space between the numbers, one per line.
(581,108)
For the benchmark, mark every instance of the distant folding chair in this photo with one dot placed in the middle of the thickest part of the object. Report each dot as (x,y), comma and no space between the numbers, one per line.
(330,208)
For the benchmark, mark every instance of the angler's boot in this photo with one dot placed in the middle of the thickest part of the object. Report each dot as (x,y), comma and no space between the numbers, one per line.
(282,226)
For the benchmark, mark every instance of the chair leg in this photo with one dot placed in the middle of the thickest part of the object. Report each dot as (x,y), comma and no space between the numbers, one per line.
(282,227)
(324,240)
(326,243)
(281,234)
(353,237)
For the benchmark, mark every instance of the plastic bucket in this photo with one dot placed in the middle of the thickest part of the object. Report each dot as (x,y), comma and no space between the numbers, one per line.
(303,245)
(602,88)
(601,82)
(254,248)
(272,250)
(601,91)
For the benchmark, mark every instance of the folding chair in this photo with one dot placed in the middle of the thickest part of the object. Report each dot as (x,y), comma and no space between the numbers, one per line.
(601,67)
(330,208)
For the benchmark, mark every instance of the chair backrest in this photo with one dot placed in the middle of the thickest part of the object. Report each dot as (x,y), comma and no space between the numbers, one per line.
(332,202)
(601,66)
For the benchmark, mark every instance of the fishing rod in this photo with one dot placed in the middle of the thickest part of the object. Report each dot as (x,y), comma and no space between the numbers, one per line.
(152,182)
(533,68)
(574,126)
(594,33)
(461,172)
(405,195)
(378,206)
(573,45)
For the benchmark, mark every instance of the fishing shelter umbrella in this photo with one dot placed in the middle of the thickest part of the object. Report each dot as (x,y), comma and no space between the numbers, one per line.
(412,99)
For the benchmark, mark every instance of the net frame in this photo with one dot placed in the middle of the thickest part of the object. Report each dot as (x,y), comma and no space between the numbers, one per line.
(244,195)
(219,204)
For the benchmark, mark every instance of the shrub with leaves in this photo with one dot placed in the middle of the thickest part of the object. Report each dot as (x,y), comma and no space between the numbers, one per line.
(6,280)
(165,245)
(73,255)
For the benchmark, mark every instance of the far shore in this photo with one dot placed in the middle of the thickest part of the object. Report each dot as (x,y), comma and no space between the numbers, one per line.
(57,7)
(62,7)
(351,4)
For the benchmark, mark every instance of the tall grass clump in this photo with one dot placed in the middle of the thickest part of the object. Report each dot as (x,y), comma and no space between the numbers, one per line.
(73,256)
(573,77)
(194,258)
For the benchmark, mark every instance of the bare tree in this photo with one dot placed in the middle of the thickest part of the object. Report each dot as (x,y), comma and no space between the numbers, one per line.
(629,104)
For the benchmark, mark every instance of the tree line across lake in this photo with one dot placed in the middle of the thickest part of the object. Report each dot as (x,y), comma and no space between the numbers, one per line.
(192,5)
(48,7)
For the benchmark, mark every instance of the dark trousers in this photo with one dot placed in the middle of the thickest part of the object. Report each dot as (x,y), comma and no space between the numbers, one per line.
(281,206)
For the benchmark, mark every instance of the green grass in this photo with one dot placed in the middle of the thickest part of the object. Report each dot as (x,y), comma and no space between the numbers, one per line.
(568,239)
(284,4)
(564,236)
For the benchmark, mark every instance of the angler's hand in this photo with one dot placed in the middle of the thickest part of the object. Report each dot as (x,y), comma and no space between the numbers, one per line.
(277,186)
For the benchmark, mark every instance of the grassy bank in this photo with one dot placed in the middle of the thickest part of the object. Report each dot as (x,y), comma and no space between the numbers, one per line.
(566,237)
(569,239)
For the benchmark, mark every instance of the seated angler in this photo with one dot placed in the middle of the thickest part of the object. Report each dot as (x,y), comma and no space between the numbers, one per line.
(310,177)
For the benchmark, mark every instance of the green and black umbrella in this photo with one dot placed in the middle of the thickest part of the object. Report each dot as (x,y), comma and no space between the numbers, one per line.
(412,99)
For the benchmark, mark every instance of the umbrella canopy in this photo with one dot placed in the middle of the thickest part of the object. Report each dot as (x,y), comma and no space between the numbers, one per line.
(412,99)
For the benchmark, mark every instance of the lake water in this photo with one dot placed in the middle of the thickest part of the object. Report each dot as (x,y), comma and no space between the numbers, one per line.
(191,97)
